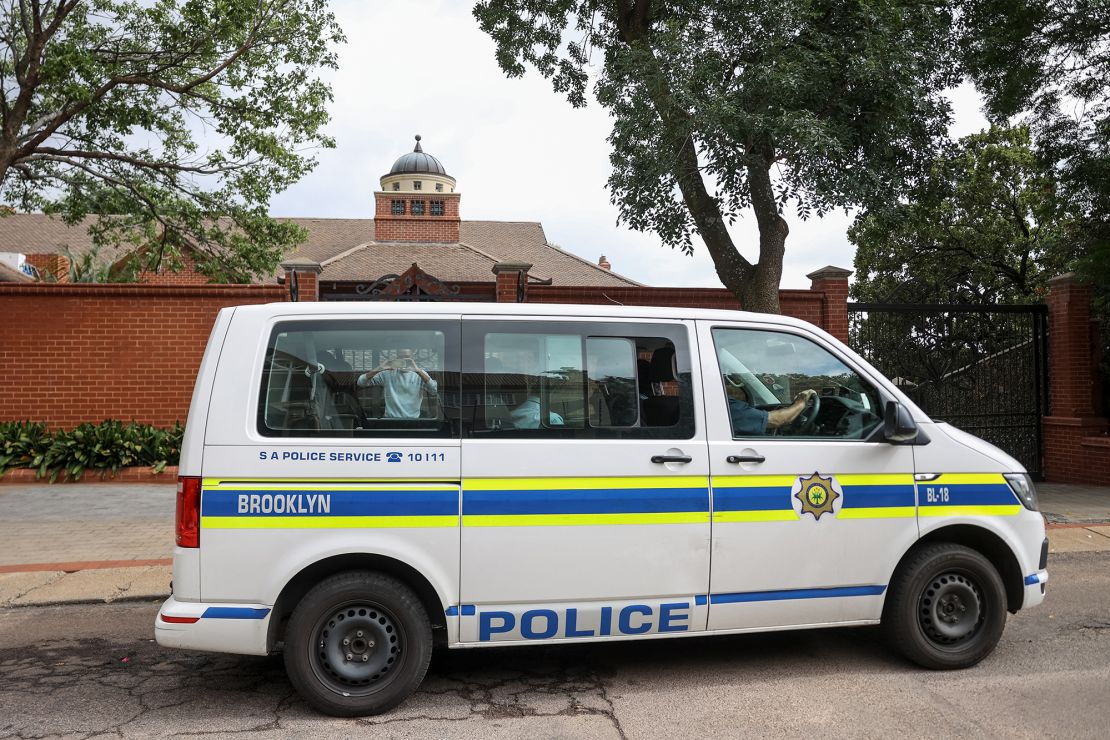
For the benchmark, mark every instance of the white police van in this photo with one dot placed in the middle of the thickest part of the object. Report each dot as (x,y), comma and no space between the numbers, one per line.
(362,482)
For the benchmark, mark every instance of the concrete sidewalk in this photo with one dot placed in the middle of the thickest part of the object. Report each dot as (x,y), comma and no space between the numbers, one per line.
(102,542)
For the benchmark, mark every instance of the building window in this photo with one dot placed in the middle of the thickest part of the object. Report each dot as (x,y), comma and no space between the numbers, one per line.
(439,187)
(396,186)
(437,207)
(417,185)
(397,208)
(417,207)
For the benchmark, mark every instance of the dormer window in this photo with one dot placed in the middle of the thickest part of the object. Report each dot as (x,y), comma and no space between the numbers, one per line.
(417,185)
(439,187)
(417,207)
(397,208)
(437,207)
(396,186)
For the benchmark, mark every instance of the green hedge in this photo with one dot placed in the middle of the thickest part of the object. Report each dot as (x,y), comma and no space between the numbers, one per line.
(105,447)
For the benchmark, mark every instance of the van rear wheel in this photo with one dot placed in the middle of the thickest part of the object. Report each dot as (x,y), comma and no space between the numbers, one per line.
(357,644)
(946,607)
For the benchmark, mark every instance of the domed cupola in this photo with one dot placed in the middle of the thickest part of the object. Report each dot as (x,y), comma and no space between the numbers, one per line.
(417,202)
(418,171)
(417,161)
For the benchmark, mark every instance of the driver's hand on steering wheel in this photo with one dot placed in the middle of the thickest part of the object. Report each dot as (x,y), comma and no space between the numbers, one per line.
(805,395)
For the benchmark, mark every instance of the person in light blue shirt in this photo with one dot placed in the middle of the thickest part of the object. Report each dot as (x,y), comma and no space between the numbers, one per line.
(404,382)
(527,415)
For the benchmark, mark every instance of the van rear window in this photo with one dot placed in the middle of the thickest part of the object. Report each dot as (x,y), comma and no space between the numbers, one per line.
(361,379)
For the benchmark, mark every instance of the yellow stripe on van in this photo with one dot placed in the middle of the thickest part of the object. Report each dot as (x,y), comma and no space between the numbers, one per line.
(1003,510)
(332,486)
(327,522)
(570,484)
(224,482)
(570,520)
(972,478)
(754,481)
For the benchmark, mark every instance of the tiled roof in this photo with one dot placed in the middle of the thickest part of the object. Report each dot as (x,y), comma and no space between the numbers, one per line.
(348,248)
(371,261)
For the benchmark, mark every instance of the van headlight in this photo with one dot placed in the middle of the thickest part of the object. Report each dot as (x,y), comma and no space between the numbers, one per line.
(1022,485)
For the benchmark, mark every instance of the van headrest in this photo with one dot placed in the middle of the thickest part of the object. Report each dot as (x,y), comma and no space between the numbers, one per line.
(663,368)
(643,376)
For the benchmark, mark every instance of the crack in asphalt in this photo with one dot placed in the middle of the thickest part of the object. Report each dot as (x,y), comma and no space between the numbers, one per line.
(95,688)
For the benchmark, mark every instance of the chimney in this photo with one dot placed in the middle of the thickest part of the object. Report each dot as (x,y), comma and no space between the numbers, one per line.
(604,263)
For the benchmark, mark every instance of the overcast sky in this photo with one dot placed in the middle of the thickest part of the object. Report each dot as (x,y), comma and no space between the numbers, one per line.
(517,149)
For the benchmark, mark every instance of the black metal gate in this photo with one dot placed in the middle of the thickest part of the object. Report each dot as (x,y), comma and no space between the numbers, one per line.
(981,368)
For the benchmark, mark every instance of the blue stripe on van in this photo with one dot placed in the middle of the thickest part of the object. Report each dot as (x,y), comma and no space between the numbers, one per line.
(585,501)
(376,502)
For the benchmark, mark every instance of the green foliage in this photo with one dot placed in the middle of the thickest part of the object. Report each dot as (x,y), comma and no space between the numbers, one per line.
(175,121)
(985,226)
(816,103)
(23,444)
(1048,62)
(105,448)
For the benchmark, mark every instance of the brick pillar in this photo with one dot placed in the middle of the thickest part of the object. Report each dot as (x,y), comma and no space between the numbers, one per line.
(1076,449)
(833,282)
(512,281)
(56,265)
(307,279)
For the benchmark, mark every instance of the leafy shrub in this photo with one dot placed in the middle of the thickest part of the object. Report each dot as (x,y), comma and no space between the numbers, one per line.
(105,447)
(22,444)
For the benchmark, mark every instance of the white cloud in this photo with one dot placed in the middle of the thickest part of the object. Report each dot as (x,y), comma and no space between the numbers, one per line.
(517,149)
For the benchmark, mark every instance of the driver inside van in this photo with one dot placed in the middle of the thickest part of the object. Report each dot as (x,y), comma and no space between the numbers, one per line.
(747,420)
(404,382)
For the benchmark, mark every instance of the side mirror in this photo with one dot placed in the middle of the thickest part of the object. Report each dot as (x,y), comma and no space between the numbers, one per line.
(898,426)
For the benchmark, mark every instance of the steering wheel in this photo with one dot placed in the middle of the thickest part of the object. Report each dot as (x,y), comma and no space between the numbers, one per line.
(806,422)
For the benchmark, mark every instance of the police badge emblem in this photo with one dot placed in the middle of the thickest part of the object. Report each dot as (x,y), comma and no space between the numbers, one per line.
(817,494)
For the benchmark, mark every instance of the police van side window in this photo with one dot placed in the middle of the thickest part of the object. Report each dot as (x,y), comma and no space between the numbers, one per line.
(576,380)
(783,385)
(360,379)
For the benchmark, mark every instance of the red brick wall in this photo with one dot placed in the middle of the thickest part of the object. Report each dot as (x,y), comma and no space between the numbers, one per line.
(807,305)
(51,264)
(1076,450)
(409,228)
(1076,446)
(187,275)
(75,353)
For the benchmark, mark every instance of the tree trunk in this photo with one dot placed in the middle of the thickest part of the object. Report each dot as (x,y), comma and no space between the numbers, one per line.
(761,291)
(755,286)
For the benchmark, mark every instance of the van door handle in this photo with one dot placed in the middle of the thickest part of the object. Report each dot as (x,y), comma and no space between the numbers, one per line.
(737,459)
(671,458)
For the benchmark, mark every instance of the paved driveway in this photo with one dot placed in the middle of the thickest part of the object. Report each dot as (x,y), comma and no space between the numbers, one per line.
(81,522)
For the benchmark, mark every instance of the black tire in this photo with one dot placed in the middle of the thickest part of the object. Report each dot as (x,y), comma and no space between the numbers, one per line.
(389,644)
(946,607)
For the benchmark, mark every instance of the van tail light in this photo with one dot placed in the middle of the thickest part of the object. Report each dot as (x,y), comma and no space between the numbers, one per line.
(188,511)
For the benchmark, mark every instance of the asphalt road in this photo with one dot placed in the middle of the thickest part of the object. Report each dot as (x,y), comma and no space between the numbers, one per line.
(89,670)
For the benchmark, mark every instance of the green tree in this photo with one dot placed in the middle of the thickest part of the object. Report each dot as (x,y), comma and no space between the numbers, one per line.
(173,120)
(1048,62)
(719,107)
(986,225)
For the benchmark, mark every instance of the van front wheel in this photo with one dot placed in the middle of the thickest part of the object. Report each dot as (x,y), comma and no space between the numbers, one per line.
(357,644)
(946,607)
